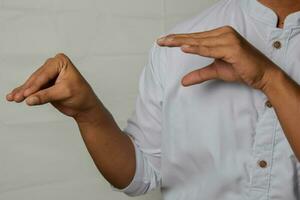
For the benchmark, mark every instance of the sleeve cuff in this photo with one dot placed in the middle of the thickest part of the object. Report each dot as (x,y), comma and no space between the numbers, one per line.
(136,186)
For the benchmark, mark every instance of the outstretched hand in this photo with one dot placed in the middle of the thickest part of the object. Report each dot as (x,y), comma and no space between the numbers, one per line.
(236,60)
(57,82)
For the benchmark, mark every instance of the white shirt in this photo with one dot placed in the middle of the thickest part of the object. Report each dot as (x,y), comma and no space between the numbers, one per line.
(216,140)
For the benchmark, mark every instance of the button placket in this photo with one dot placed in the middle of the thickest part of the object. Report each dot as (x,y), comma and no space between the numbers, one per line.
(266,128)
(265,132)
(278,41)
(263,151)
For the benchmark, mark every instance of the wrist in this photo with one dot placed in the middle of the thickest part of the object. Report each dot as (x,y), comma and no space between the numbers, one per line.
(94,115)
(274,79)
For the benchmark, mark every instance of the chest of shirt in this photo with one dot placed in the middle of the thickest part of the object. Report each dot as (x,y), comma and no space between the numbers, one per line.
(229,102)
(224,123)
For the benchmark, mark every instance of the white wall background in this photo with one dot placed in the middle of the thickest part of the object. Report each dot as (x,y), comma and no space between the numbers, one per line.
(42,156)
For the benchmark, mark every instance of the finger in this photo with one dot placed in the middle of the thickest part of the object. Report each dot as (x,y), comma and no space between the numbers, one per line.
(211,33)
(34,74)
(56,63)
(15,96)
(214,32)
(200,75)
(48,73)
(215,41)
(218,52)
(177,41)
(54,93)
(220,40)
(18,94)
(9,97)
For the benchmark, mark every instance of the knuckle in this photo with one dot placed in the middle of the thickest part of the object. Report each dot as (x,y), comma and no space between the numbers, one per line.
(16,90)
(62,59)
(233,39)
(34,86)
(41,98)
(43,95)
(199,75)
(27,83)
(49,60)
(228,28)
(61,55)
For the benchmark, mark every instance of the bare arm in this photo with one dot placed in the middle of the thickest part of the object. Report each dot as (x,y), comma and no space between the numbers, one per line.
(59,82)
(111,149)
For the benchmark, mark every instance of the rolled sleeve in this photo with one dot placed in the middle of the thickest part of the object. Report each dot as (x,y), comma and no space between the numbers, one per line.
(140,183)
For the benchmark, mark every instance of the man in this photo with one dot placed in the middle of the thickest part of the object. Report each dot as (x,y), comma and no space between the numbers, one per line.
(234,134)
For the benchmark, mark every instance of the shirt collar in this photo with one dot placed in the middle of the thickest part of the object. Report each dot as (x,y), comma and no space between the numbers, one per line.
(266,15)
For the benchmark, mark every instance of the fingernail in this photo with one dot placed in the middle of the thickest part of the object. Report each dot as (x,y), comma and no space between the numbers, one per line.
(32,101)
(161,39)
(9,96)
(18,97)
(185,82)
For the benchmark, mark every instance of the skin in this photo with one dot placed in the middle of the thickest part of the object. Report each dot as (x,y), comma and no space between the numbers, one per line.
(282,8)
(59,82)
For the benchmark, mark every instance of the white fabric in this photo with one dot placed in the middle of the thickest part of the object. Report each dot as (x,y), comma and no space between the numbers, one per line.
(205,141)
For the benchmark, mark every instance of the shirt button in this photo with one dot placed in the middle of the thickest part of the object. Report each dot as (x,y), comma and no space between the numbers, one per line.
(268,104)
(277,44)
(262,163)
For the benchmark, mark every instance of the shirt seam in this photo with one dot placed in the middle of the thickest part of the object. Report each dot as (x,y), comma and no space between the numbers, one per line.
(272,160)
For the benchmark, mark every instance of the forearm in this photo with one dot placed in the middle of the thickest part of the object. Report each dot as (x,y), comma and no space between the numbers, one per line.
(58,82)
(111,149)
(284,95)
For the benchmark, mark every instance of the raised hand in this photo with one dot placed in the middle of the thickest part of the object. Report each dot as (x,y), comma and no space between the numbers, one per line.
(235,58)
(60,83)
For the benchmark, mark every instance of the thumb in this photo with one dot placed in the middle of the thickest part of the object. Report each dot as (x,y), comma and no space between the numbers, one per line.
(54,93)
(200,75)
